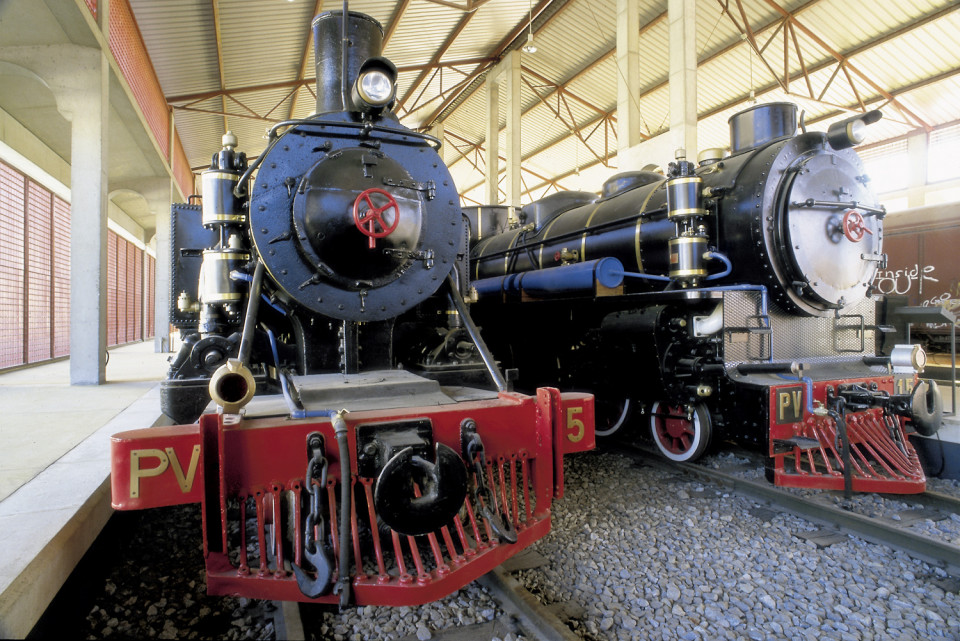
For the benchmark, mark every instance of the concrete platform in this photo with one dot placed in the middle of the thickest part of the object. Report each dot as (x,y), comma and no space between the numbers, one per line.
(55,470)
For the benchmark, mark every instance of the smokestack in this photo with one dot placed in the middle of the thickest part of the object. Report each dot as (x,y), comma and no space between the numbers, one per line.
(365,40)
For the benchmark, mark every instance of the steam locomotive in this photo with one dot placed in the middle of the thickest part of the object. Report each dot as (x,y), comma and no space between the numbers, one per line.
(726,300)
(365,448)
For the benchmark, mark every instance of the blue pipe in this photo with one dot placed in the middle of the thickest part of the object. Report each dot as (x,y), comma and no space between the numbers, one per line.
(646,276)
(724,260)
(295,412)
(565,279)
(247,278)
(728,267)
(808,382)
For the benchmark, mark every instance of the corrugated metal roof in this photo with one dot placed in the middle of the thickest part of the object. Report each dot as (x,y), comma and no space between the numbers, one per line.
(903,47)
(179,35)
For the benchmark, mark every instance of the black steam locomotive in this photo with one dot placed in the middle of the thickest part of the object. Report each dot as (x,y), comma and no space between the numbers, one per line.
(729,300)
(365,449)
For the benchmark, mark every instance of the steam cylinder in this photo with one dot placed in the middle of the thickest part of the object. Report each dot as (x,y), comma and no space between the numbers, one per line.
(365,37)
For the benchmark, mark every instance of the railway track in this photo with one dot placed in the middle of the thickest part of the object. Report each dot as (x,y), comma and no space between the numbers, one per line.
(537,621)
(523,615)
(837,517)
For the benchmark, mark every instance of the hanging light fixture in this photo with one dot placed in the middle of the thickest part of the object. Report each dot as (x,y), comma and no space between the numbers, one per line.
(529,47)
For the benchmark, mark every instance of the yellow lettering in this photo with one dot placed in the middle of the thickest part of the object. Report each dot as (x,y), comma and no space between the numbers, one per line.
(902,386)
(575,424)
(137,473)
(783,404)
(185,482)
(797,403)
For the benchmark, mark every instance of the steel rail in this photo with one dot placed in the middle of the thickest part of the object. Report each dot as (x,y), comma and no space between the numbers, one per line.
(517,601)
(916,545)
(287,623)
(938,500)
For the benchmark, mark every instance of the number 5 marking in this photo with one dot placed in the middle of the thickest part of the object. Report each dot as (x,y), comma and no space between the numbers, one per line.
(575,424)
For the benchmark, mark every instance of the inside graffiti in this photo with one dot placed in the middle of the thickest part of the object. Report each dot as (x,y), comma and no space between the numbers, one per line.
(901,281)
(909,279)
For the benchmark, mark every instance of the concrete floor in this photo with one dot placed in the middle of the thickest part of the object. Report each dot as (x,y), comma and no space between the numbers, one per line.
(44,416)
(55,470)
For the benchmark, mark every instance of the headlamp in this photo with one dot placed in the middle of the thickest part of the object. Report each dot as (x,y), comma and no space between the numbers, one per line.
(375,87)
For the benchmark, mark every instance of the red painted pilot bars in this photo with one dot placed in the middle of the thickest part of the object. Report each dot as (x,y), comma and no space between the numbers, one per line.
(882,459)
(161,466)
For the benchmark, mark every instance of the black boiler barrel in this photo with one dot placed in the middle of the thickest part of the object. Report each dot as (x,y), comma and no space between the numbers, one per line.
(606,227)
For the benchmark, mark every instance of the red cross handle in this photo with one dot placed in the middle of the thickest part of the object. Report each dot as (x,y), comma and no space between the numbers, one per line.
(853,227)
(368,221)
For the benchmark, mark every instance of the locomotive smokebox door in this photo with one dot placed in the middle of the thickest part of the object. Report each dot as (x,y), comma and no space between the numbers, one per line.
(825,235)
(331,234)
(417,490)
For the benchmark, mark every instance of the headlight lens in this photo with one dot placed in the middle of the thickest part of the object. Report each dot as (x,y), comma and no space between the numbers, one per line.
(375,87)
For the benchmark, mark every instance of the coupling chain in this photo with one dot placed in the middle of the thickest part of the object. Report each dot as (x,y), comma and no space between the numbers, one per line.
(482,494)
(316,479)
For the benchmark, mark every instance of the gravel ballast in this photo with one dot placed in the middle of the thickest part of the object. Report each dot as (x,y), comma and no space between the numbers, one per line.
(647,555)
(654,557)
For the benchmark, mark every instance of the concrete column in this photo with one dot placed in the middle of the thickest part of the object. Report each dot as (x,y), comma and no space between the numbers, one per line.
(511,69)
(493,139)
(917,150)
(79,78)
(88,228)
(161,301)
(682,17)
(628,77)
(164,266)
(436,130)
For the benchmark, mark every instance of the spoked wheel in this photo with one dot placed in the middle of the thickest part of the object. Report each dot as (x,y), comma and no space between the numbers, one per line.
(612,414)
(678,437)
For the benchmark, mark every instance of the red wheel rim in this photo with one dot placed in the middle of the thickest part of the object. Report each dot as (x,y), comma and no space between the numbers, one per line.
(854,226)
(673,430)
(372,217)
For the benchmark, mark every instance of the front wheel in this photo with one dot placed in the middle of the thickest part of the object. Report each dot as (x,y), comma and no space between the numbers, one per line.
(680,436)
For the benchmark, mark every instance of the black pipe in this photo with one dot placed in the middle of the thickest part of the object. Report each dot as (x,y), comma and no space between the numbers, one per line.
(405,134)
(767,368)
(344,45)
(474,333)
(250,319)
(841,422)
(346,500)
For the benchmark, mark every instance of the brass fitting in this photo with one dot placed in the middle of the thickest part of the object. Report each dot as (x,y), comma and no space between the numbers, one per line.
(232,386)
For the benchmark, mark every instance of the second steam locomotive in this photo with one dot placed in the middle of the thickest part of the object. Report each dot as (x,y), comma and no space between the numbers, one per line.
(726,300)
(364,449)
